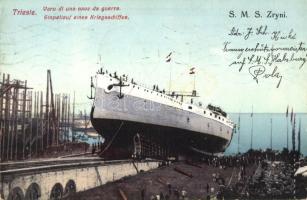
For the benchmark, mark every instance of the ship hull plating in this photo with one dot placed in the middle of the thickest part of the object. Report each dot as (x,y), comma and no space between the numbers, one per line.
(120,134)
(120,118)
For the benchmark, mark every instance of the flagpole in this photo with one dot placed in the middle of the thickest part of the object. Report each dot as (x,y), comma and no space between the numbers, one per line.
(239,134)
(293,134)
(299,139)
(271,139)
(194,81)
(287,112)
(287,133)
(252,129)
(168,59)
(170,79)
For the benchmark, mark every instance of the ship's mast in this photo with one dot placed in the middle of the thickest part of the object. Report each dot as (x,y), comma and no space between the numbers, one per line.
(99,63)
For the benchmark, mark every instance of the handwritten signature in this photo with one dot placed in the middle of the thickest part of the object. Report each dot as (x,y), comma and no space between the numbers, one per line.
(258,71)
(262,58)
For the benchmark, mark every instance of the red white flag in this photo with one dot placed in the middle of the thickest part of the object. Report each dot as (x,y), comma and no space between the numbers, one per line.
(168,57)
(192,70)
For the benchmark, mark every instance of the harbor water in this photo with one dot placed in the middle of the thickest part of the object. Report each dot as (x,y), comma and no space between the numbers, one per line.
(262,131)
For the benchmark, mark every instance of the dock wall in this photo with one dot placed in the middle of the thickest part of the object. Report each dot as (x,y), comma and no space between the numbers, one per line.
(50,183)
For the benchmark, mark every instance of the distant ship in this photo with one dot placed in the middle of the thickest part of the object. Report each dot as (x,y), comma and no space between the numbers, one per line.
(135,120)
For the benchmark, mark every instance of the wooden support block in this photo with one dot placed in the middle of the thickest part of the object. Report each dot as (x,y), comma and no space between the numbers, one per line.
(160,180)
(183,172)
(193,164)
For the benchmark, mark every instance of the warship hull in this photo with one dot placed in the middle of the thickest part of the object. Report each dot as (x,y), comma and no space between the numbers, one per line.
(119,114)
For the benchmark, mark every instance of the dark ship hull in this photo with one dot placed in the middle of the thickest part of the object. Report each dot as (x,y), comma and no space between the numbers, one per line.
(157,141)
(137,121)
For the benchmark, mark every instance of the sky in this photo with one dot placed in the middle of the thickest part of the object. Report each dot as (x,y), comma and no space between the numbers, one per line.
(194,31)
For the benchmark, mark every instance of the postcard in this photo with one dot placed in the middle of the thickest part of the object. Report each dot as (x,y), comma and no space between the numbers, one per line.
(131,99)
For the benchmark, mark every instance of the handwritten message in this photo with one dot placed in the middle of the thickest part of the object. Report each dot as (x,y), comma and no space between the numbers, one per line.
(263,59)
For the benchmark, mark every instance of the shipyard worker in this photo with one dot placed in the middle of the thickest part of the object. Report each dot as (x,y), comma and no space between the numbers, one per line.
(143,194)
(162,196)
(154,87)
(169,188)
(176,193)
(93,149)
(219,196)
(183,193)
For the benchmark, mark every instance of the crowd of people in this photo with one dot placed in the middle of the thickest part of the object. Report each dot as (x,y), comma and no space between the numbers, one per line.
(273,177)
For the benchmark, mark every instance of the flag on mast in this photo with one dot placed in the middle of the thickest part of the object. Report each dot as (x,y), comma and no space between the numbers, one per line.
(192,70)
(168,57)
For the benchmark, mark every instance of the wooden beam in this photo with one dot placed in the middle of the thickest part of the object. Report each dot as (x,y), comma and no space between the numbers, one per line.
(122,194)
(183,172)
